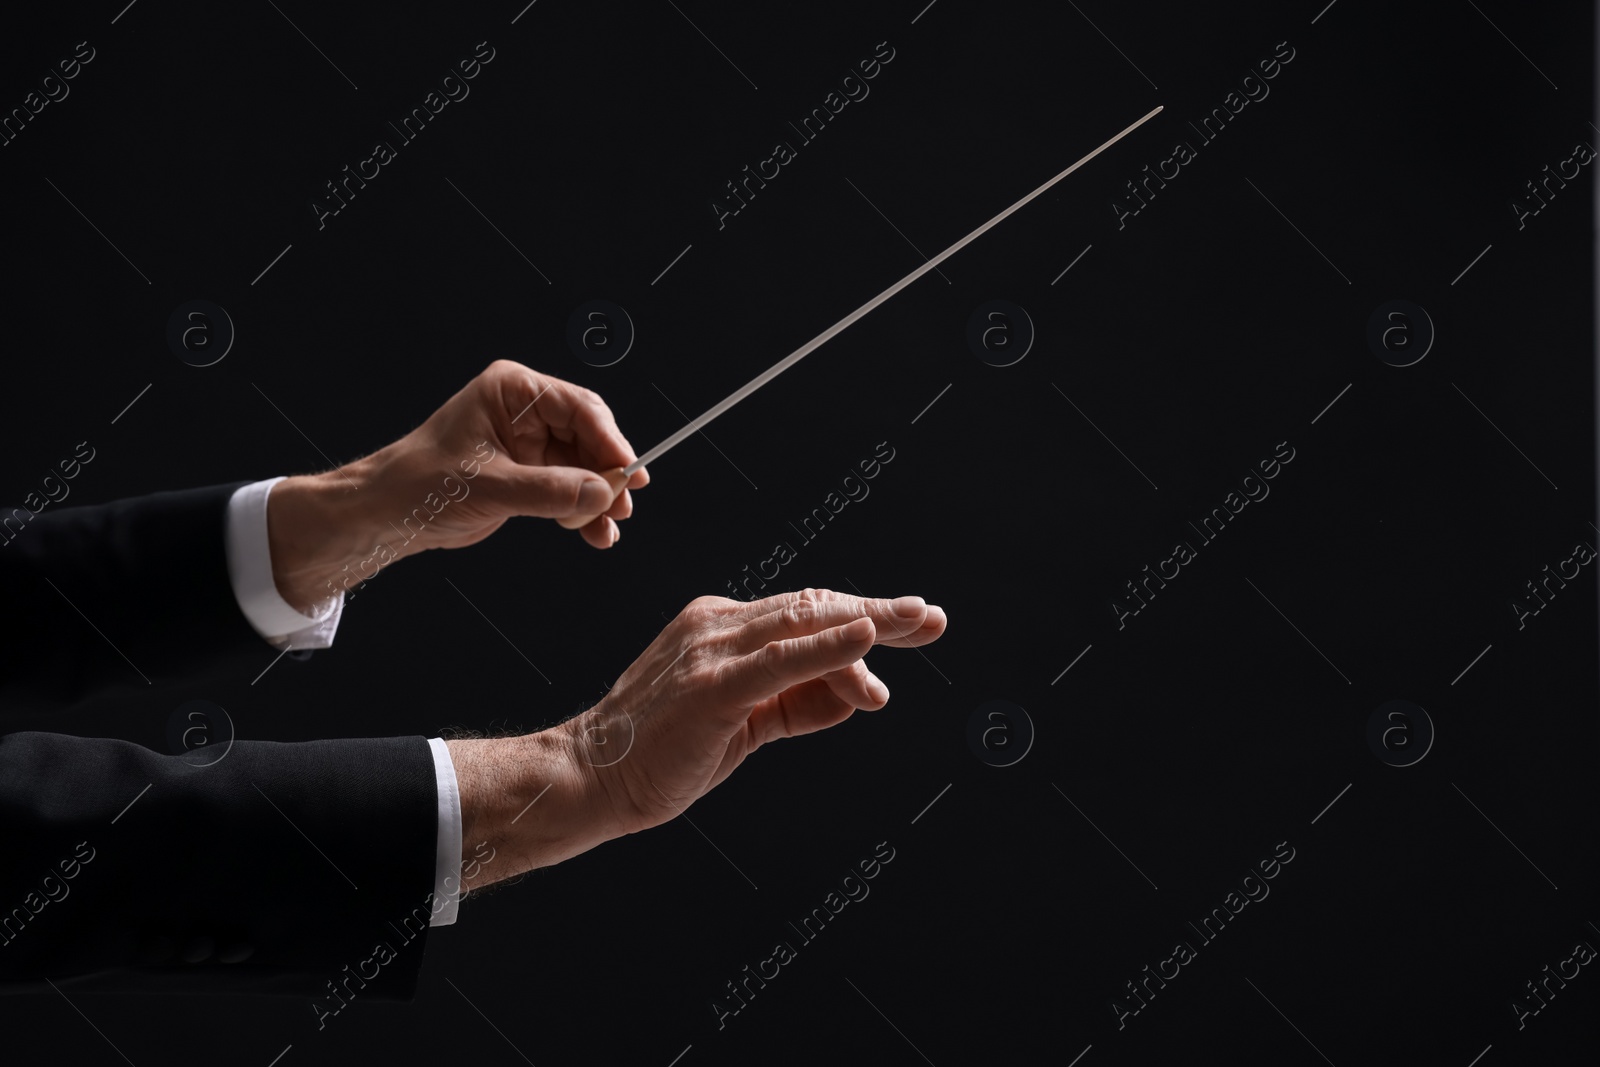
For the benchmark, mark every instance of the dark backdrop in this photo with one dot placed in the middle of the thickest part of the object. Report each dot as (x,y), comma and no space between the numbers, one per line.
(1163,754)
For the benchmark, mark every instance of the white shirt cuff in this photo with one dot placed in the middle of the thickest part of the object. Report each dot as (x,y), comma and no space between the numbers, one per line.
(447,861)
(279,623)
(250,571)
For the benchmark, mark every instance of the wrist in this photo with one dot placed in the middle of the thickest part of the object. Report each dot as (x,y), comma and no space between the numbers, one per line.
(530,799)
(317,535)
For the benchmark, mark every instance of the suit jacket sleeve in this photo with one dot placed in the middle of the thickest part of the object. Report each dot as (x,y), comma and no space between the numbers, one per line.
(301,868)
(280,868)
(113,597)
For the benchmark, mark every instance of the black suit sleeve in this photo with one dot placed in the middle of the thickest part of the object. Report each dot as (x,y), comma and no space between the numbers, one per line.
(117,596)
(280,868)
(290,868)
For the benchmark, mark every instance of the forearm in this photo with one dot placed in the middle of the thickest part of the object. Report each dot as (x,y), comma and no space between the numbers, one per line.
(526,802)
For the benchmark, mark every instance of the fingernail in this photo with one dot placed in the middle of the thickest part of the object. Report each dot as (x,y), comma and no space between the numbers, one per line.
(594,496)
(876,689)
(858,629)
(616,531)
(908,607)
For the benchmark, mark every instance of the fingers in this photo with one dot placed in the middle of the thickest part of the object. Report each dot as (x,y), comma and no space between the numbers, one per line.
(551,492)
(804,709)
(573,414)
(778,665)
(904,622)
(857,686)
(605,531)
(602,532)
(817,704)
(932,628)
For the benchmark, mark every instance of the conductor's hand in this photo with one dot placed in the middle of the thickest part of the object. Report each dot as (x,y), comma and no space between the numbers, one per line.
(724,678)
(511,442)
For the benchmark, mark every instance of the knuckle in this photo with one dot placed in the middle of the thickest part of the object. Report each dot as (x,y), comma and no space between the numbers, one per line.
(798,614)
(703,608)
(505,370)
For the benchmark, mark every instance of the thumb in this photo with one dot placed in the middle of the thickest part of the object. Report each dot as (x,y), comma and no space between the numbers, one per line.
(551,492)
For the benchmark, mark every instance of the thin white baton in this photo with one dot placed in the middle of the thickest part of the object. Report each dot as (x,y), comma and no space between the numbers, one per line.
(618,476)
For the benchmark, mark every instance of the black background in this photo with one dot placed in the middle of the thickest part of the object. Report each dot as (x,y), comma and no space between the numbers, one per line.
(1222,720)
